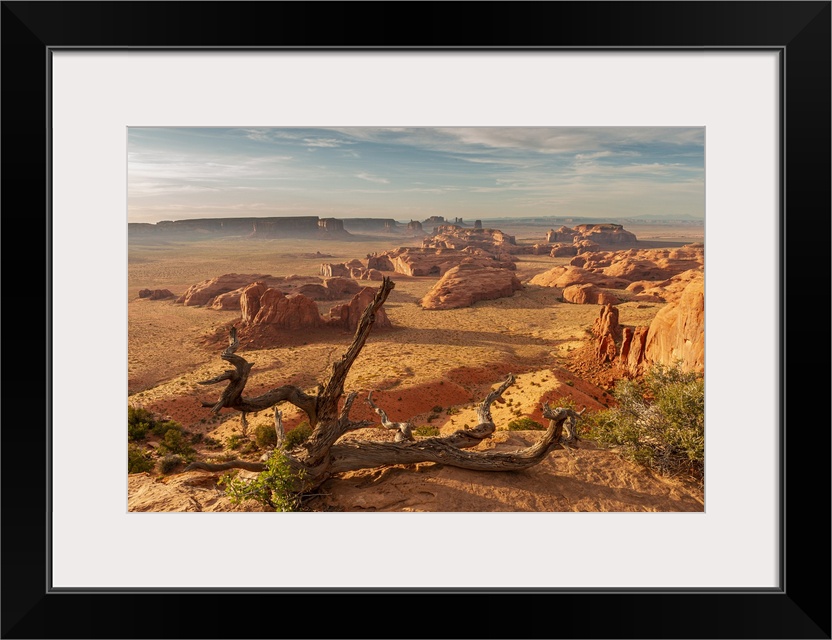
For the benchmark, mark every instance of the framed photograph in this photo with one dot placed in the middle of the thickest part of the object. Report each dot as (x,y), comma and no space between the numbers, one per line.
(720,109)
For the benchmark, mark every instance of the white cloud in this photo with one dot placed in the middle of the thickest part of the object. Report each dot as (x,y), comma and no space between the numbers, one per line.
(371,178)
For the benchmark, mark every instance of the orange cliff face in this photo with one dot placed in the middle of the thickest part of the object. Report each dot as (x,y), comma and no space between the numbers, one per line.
(676,334)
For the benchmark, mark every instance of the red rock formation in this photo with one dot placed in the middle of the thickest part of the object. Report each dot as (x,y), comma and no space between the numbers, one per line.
(562,234)
(588,294)
(677,333)
(608,332)
(466,284)
(561,250)
(156,294)
(291,312)
(346,316)
(204,292)
(598,234)
(606,233)
(451,236)
(227,301)
(250,301)
(566,276)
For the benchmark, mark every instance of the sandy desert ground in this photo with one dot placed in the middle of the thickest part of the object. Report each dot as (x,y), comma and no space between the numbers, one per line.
(448,359)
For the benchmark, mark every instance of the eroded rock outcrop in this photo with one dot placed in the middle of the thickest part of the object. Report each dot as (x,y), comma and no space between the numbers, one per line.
(600,234)
(676,335)
(451,236)
(567,276)
(417,262)
(207,291)
(346,316)
(466,284)
(156,294)
(588,294)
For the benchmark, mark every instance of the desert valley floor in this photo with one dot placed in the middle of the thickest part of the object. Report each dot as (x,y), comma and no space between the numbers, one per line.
(428,359)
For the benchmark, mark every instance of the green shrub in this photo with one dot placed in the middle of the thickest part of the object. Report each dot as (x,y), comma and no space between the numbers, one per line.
(175,442)
(265,436)
(525,424)
(234,441)
(162,427)
(297,435)
(169,462)
(659,423)
(426,432)
(275,487)
(139,422)
(437,409)
(138,460)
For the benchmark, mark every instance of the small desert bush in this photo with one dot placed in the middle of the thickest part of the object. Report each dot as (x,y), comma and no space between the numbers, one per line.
(525,424)
(162,427)
(297,435)
(175,442)
(274,487)
(139,422)
(234,441)
(426,432)
(138,460)
(659,422)
(169,462)
(265,436)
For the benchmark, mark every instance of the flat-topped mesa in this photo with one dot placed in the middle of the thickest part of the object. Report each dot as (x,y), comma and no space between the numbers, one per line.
(602,234)
(371,225)
(451,236)
(466,284)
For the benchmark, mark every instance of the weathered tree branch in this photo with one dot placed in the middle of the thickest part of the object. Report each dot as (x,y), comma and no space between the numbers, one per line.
(404,430)
(327,431)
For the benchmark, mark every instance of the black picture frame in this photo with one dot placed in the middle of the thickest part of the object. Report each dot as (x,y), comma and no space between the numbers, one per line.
(799,31)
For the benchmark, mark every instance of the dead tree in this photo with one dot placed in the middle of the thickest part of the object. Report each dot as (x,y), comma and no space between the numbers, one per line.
(323,455)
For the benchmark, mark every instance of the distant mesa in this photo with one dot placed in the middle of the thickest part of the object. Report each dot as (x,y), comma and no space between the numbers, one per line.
(602,234)
(466,284)
(265,227)
(415,227)
(156,294)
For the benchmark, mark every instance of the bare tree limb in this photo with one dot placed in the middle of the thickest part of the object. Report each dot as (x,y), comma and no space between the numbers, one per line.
(404,429)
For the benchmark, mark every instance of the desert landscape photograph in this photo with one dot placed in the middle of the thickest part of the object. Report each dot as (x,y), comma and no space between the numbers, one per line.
(483,319)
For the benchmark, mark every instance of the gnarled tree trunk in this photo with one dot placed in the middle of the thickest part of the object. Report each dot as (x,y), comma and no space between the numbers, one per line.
(322,455)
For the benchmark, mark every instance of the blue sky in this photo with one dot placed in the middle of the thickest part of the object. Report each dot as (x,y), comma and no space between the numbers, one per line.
(414,173)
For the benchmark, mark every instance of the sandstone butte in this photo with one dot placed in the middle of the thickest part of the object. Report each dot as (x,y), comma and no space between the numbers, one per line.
(466,284)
